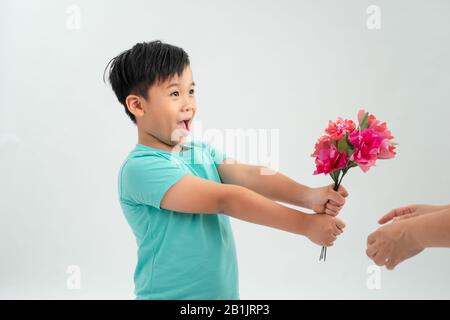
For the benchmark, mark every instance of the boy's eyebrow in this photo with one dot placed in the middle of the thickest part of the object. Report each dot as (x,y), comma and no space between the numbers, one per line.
(175,84)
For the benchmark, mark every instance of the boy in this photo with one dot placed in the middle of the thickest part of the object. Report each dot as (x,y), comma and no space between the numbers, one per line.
(177,196)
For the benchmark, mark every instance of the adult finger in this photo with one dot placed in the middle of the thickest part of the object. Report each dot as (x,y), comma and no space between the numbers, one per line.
(406,216)
(395,213)
(380,258)
(391,264)
(372,238)
(371,251)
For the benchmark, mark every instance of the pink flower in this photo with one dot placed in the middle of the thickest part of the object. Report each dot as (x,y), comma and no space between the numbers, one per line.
(367,144)
(322,143)
(328,158)
(377,125)
(387,150)
(337,130)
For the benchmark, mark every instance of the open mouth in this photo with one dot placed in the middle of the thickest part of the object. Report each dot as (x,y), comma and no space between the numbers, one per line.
(184,124)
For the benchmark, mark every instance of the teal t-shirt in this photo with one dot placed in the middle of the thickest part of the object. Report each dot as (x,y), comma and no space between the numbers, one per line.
(180,255)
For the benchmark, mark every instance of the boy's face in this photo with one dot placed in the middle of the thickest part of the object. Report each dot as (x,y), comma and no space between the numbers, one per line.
(164,118)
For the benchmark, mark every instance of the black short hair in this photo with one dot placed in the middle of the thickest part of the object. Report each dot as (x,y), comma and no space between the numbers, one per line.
(135,70)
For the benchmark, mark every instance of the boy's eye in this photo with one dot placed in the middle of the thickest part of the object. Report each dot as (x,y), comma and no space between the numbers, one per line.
(176,93)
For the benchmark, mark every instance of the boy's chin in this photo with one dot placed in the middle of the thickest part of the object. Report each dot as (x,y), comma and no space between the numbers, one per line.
(179,136)
(180,142)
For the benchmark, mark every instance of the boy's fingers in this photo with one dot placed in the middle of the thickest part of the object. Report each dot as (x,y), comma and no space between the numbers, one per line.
(343,191)
(340,224)
(337,231)
(330,212)
(336,197)
(334,203)
(332,207)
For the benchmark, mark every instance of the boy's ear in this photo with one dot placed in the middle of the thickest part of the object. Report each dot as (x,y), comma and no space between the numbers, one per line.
(135,105)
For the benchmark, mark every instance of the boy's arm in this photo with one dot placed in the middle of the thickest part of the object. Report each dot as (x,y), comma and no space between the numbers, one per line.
(278,187)
(196,195)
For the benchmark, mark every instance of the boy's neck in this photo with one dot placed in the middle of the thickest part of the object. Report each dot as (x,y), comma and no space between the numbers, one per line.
(151,141)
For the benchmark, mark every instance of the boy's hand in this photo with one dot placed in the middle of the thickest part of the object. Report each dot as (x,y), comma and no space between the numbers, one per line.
(326,200)
(393,243)
(323,229)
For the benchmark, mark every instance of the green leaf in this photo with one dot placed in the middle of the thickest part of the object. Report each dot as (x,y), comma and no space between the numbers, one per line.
(344,145)
(351,164)
(335,175)
(332,176)
(347,138)
(364,123)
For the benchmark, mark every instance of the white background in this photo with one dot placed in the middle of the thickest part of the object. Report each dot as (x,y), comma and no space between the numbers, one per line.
(284,65)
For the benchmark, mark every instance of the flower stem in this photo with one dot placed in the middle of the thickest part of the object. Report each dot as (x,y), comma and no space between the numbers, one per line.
(337,183)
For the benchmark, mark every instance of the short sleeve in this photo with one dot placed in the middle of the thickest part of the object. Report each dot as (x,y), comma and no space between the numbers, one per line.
(217,155)
(145,180)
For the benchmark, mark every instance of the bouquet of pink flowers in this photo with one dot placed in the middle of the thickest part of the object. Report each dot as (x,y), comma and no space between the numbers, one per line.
(345,146)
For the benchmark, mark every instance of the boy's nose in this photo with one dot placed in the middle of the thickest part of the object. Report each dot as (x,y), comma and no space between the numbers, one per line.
(187,107)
